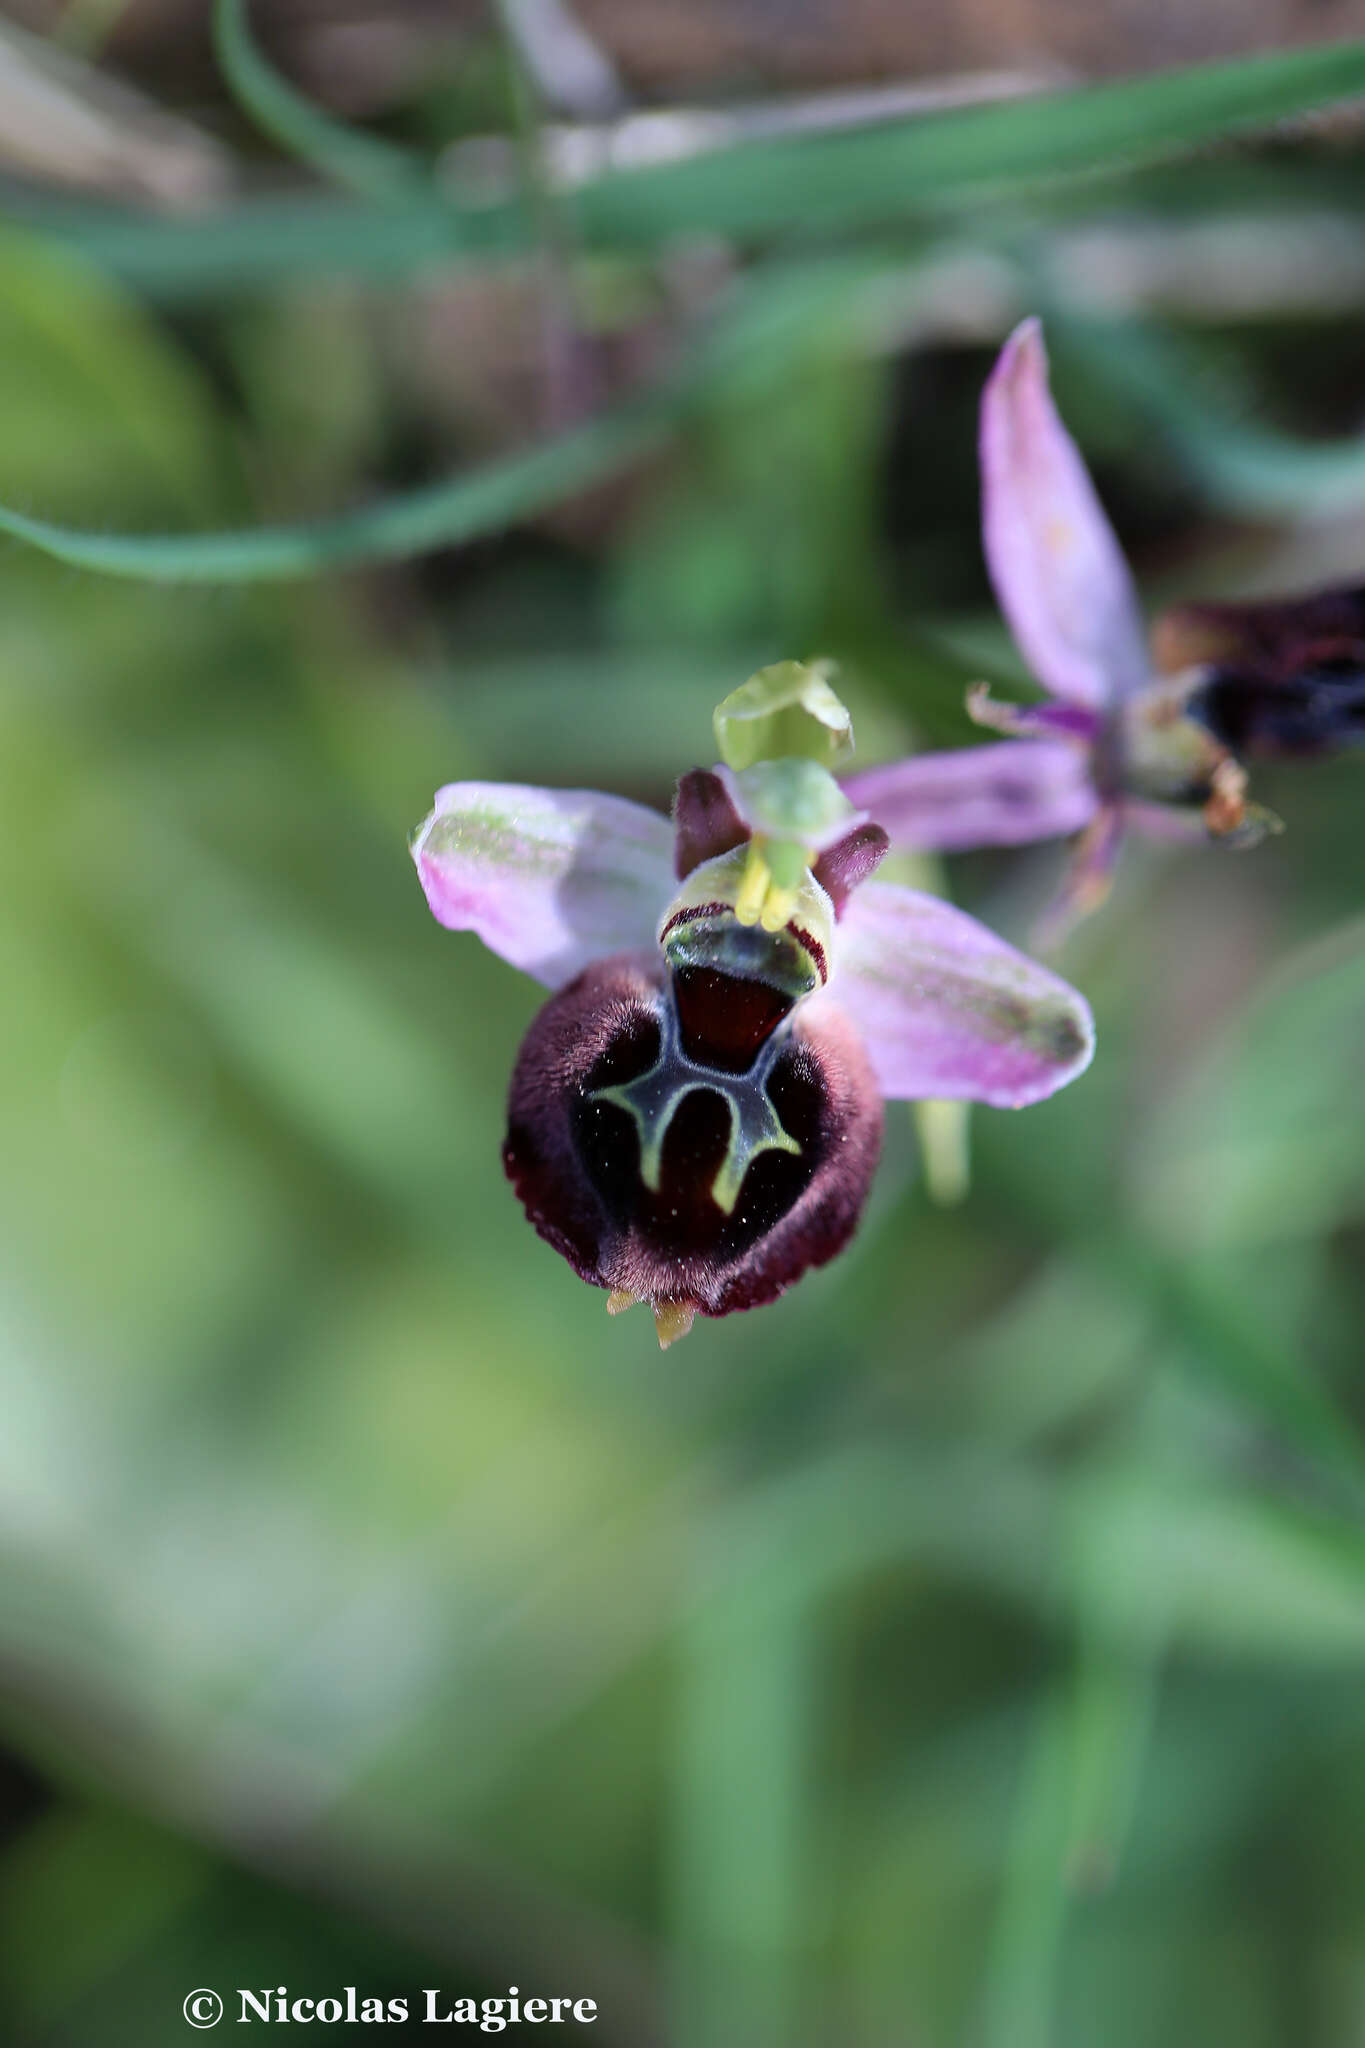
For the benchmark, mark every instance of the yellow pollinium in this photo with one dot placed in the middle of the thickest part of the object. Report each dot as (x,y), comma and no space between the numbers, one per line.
(672,1319)
(761,898)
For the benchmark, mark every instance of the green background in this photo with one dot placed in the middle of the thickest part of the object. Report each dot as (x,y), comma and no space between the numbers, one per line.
(967,1649)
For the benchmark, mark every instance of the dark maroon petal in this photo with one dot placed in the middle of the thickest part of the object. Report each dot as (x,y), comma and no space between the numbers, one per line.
(705,820)
(574,1158)
(849,861)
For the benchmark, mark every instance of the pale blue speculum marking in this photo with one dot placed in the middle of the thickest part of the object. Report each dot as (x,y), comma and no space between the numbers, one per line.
(653,1099)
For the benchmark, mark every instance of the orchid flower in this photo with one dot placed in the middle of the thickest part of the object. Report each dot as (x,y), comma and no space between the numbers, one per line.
(695,1115)
(1115,743)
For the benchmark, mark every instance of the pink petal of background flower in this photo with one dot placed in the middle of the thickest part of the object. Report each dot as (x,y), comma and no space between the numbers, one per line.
(1058,571)
(1004,793)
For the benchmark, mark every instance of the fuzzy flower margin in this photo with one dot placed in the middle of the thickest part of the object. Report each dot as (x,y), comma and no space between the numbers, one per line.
(695,1115)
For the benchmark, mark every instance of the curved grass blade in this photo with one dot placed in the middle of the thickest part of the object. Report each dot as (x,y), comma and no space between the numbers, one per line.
(361,163)
(442,515)
(756,328)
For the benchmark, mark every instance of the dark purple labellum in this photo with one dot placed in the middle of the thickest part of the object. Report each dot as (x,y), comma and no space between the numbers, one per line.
(1317,711)
(671,1178)
(1285,677)
(723,1020)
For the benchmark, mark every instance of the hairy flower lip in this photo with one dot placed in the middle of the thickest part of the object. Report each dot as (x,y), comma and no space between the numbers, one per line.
(1280,677)
(625,1251)
(1299,718)
(1278,636)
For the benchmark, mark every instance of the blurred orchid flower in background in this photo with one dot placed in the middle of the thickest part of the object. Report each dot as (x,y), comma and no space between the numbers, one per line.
(695,1116)
(1115,743)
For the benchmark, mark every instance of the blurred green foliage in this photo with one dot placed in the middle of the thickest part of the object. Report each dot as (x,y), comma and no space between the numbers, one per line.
(967,1649)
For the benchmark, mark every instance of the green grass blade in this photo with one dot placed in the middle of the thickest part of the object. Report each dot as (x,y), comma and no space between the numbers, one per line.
(759,327)
(1112,1702)
(360,163)
(742,1794)
(900,167)
(1020,1989)
(899,170)
(270,240)
(441,515)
